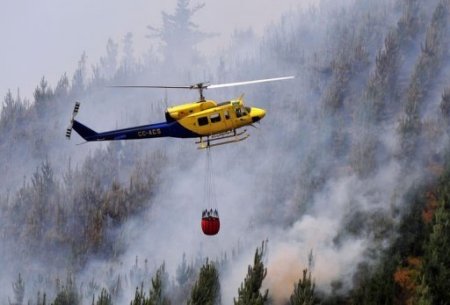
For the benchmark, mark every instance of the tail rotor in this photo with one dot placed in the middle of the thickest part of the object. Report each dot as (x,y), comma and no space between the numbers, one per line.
(75,112)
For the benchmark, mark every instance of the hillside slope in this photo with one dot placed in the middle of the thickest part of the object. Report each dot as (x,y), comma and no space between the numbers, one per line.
(349,163)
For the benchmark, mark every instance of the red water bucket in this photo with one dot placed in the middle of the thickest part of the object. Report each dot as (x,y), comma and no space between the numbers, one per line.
(210,225)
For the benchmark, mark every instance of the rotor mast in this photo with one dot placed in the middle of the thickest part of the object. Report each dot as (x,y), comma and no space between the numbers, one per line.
(200,87)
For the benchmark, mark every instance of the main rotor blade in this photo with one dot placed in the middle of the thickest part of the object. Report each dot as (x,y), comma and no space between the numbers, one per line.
(202,86)
(250,82)
(162,87)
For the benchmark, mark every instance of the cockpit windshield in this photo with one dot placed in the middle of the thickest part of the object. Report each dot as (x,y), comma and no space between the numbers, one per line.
(242,111)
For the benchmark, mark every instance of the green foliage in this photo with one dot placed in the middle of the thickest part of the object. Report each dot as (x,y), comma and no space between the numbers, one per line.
(430,58)
(437,259)
(13,112)
(158,290)
(206,290)
(423,294)
(382,85)
(303,293)
(43,96)
(185,277)
(184,271)
(139,275)
(76,213)
(139,297)
(159,287)
(374,284)
(382,88)
(104,298)
(249,292)
(416,267)
(68,294)
(350,62)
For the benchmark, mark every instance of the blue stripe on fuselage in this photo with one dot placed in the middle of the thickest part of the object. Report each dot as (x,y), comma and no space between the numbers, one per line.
(164,129)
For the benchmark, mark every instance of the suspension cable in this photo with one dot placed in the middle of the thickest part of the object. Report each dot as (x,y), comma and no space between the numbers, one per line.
(210,190)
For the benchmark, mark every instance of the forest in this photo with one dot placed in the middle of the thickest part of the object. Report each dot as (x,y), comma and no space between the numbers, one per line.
(340,196)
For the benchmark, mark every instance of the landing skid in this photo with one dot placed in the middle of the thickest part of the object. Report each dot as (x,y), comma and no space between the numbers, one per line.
(225,138)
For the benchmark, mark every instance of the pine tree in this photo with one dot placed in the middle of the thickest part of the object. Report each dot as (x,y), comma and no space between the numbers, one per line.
(19,291)
(423,294)
(128,63)
(43,189)
(425,71)
(68,295)
(185,278)
(139,297)
(437,259)
(304,291)
(104,298)
(108,63)
(179,34)
(117,290)
(159,287)
(12,112)
(184,272)
(206,290)
(249,292)
(40,301)
(62,88)
(43,96)
(79,77)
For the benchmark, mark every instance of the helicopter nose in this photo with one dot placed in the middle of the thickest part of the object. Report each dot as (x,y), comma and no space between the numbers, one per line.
(257,114)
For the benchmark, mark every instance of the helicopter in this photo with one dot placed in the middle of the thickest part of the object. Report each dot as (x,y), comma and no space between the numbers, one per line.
(213,123)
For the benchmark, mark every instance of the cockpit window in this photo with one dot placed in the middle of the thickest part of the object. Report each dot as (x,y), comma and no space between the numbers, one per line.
(202,121)
(242,111)
(245,110)
(227,115)
(214,118)
(238,112)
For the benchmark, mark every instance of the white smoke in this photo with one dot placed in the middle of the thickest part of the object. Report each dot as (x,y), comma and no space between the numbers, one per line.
(283,184)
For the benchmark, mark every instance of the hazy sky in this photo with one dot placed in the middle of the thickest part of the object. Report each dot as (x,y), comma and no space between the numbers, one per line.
(47,37)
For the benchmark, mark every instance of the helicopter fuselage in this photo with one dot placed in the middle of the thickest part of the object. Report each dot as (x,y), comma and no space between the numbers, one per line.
(203,119)
(192,120)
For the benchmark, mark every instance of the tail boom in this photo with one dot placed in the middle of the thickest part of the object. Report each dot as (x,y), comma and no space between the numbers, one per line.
(164,129)
(158,130)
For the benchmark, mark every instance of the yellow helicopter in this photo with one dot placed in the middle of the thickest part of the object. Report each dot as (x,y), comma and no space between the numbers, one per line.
(213,123)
